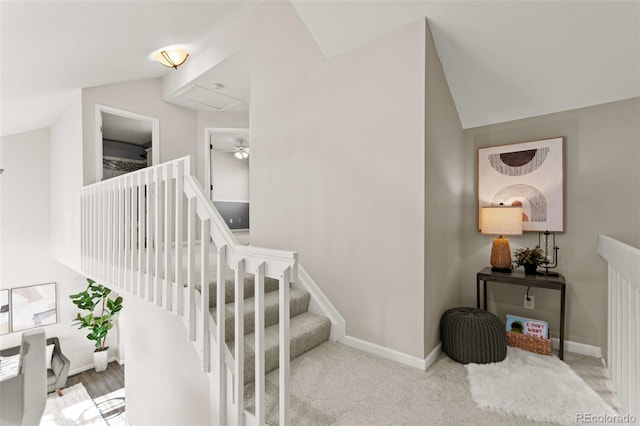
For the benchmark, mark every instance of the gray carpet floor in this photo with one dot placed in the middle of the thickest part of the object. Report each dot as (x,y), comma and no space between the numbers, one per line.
(338,385)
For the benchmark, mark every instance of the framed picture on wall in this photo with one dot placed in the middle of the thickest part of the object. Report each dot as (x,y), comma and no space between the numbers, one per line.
(33,306)
(527,174)
(4,312)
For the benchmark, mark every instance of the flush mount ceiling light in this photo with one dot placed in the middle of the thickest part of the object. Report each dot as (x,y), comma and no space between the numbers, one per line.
(172,58)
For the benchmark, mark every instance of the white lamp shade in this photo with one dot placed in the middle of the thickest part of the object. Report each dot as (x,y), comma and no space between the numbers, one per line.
(501,220)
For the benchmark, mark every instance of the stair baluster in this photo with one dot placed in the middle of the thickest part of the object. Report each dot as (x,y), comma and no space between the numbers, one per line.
(120,192)
(284,319)
(239,343)
(131,230)
(259,379)
(191,267)
(157,233)
(204,293)
(142,213)
(168,219)
(179,268)
(221,370)
(149,233)
(131,224)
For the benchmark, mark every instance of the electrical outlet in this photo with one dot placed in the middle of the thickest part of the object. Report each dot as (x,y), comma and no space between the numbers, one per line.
(528,304)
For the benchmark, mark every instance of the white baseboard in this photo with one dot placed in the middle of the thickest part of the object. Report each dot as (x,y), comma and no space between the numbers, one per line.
(424,364)
(392,354)
(578,348)
(433,356)
(90,366)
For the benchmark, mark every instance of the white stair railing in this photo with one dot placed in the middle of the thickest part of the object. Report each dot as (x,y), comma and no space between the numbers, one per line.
(624,320)
(150,233)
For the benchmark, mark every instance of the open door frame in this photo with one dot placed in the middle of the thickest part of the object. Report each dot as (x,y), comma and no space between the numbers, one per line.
(155,134)
(208,143)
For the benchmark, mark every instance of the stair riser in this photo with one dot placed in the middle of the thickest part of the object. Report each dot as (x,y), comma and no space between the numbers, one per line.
(299,346)
(297,305)
(270,285)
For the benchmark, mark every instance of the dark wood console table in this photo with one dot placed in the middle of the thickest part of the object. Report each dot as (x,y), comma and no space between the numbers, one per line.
(519,278)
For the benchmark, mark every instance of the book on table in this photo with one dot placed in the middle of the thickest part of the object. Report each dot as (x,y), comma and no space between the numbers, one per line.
(527,326)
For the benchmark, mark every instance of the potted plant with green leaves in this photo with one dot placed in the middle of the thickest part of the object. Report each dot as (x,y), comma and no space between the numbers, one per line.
(530,258)
(98,314)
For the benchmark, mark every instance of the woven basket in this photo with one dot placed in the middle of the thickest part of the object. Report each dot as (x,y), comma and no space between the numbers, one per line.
(533,344)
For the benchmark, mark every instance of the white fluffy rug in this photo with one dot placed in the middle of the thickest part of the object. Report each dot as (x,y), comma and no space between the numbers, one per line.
(74,407)
(536,387)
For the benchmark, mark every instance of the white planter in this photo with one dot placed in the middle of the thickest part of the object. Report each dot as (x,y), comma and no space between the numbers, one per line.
(101,359)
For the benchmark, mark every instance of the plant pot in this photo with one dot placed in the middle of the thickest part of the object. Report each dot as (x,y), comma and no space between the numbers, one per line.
(101,359)
(530,269)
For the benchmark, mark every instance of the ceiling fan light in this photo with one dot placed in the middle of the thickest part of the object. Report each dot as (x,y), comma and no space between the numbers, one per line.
(172,58)
(241,152)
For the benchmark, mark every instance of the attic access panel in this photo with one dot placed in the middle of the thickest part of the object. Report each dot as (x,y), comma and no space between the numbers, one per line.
(209,97)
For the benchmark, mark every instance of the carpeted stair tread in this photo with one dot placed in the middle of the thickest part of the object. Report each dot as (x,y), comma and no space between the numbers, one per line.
(298,303)
(270,284)
(307,331)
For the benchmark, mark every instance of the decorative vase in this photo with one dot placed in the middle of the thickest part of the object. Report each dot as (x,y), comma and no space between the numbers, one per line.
(101,359)
(530,269)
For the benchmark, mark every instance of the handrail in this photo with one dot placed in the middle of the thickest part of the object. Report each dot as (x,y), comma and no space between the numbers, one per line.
(141,233)
(275,260)
(623,257)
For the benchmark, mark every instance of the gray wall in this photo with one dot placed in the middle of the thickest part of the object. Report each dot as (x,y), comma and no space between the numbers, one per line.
(602,196)
(25,204)
(65,183)
(339,163)
(444,141)
(229,177)
(337,172)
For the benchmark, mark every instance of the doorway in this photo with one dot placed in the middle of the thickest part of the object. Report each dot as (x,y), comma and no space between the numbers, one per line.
(125,142)
(227,177)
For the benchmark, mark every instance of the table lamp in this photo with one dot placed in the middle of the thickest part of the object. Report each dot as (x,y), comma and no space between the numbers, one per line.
(500,221)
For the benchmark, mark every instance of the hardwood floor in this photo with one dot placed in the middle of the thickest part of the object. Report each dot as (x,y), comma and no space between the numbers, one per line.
(107,391)
(100,384)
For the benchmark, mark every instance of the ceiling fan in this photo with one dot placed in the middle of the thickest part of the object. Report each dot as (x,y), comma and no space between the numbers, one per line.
(240,151)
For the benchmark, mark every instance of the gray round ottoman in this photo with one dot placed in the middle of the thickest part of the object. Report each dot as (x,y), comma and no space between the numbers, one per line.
(472,335)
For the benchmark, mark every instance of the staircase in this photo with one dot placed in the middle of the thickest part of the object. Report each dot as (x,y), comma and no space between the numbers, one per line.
(154,234)
(307,330)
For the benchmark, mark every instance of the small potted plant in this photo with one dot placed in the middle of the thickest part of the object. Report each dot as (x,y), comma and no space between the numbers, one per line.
(530,258)
(97,296)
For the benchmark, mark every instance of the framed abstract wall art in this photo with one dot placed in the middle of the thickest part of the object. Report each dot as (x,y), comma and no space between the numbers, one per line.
(527,174)
(33,306)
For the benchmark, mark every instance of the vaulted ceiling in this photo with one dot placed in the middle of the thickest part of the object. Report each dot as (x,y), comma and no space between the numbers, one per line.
(503,59)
